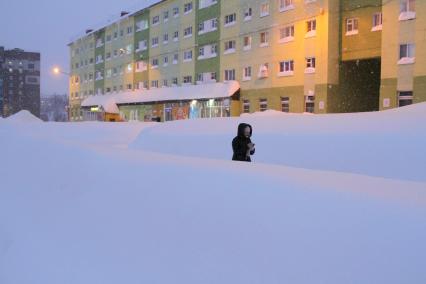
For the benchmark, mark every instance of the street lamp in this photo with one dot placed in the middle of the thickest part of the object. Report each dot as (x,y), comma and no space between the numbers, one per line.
(57,71)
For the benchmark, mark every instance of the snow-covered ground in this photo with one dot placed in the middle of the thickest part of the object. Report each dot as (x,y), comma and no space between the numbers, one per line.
(329,199)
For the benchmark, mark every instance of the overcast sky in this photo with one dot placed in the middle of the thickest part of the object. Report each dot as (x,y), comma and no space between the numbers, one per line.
(46,26)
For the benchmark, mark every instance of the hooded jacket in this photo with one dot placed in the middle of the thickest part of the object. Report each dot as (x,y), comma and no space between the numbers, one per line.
(240,144)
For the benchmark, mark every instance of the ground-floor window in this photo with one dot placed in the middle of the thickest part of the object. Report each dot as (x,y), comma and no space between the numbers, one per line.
(263,104)
(210,108)
(405,98)
(310,104)
(246,106)
(285,104)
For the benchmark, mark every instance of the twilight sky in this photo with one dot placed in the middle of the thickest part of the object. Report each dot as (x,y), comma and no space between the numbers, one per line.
(47,26)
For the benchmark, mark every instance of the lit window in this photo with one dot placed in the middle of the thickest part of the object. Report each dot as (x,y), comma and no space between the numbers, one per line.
(351,26)
(264,9)
(406,54)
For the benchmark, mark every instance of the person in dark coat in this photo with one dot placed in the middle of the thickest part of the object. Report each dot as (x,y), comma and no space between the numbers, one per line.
(241,145)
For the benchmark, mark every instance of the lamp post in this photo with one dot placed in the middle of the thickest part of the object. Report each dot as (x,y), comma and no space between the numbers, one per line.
(57,71)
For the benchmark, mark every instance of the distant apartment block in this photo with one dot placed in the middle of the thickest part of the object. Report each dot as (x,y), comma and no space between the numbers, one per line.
(19,81)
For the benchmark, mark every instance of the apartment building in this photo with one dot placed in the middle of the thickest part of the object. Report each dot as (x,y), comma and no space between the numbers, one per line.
(19,81)
(206,58)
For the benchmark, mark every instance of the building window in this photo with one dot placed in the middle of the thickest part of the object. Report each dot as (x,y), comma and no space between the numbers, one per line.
(264,9)
(247,73)
(141,25)
(187,56)
(176,12)
(246,106)
(247,43)
(230,20)
(264,39)
(187,8)
(286,68)
(405,98)
(263,71)
(287,34)
(154,84)
(176,36)
(165,38)
(377,22)
(311,28)
(175,58)
(285,104)
(187,32)
(407,9)
(248,14)
(154,63)
(187,79)
(166,61)
(141,66)
(142,45)
(154,42)
(230,75)
(286,5)
(129,30)
(166,16)
(230,46)
(263,104)
(174,81)
(155,20)
(310,65)
(165,83)
(310,104)
(351,26)
(406,54)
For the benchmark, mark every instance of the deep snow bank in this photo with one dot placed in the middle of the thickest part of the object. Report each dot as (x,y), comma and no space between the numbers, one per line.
(23,116)
(378,144)
(77,215)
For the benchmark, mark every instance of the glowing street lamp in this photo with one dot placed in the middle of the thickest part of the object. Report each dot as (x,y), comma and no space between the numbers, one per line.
(57,71)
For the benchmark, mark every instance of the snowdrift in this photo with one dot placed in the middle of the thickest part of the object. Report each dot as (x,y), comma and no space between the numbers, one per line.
(23,116)
(78,206)
(377,144)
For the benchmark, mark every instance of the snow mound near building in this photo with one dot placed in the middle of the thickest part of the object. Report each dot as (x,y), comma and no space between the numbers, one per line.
(23,116)
(377,143)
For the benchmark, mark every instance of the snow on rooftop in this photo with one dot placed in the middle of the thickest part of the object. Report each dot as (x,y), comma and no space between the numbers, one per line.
(190,92)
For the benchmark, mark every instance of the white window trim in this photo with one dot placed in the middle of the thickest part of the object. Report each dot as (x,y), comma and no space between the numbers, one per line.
(230,51)
(311,34)
(230,24)
(286,74)
(248,18)
(287,8)
(352,33)
(377,28)
(405,16)
(407,61)
(309,70)
(286,39)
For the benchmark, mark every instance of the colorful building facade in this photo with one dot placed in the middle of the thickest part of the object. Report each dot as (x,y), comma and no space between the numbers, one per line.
(318,56)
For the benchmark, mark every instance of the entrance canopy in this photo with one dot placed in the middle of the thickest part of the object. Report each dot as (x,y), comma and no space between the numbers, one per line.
(110,102)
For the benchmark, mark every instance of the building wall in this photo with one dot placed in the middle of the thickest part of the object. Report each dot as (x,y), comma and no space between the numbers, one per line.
(82,67)
(19,82)
(397,77)
(368,50)
(141,55)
